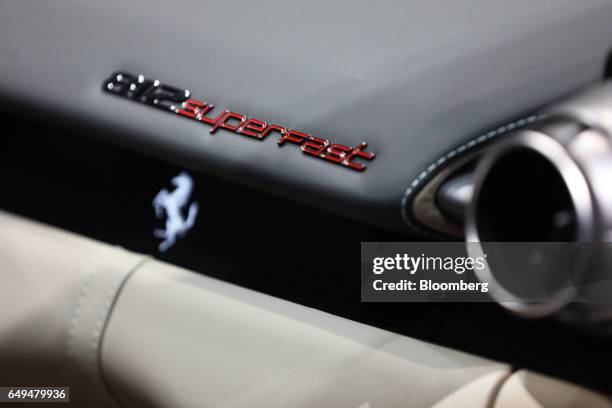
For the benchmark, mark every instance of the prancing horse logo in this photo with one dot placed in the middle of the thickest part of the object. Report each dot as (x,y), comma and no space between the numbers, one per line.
(172,204)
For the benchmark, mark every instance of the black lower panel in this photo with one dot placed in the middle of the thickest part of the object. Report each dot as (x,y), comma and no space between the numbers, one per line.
(264,243)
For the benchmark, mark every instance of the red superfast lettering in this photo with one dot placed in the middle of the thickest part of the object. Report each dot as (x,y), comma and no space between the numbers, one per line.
(137,88)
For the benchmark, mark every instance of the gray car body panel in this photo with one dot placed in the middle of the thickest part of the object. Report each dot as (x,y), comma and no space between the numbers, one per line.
(412,79)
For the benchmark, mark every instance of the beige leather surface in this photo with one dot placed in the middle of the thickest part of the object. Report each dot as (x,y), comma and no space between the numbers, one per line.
(123,330)
(531,390)
(56,293)
(184,340)
(479,393)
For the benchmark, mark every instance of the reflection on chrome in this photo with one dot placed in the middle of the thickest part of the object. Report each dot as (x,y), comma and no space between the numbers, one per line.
(551,183)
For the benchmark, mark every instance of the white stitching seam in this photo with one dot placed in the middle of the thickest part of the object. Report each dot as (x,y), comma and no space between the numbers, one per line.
(412,187)
(104,314)
(74,320)
(97,333)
